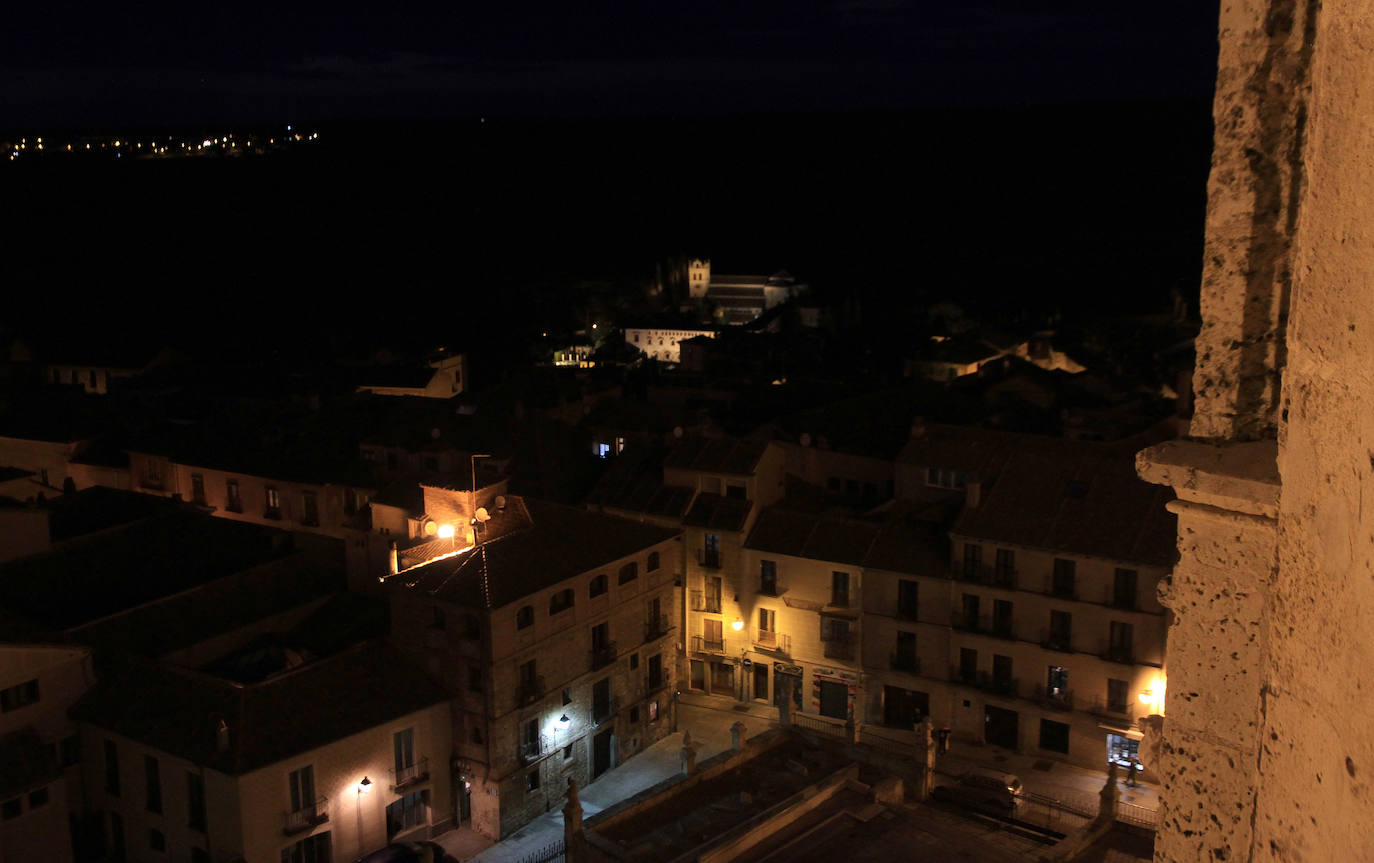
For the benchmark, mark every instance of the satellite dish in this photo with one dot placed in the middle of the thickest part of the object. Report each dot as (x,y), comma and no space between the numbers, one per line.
(431,528)
(677,432)
(500,501)
(434,433)
(806,438)
(482,514)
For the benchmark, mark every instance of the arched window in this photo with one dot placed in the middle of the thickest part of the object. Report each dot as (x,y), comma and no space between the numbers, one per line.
(598,585)
(653,564)
(524,617)
(628,573)
(561,601)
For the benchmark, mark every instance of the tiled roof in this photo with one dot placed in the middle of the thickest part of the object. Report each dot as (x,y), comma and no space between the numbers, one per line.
(634,482)
(717,512)
(899,541)
(531,546)
(1084,499)
(178,711)
(737,456)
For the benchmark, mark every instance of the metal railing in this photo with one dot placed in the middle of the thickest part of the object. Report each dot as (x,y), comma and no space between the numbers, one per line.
(307,817)
(1061,699)
(901,661)
(532,748)
(603,656)
(702,602)
(708,558)
(702,644)
(1101,707)
(529,691)
(404,777)
(823,724)
(653,683)
(656,627)
(840,648)
(1056,640)
(1118,653)
(603,710)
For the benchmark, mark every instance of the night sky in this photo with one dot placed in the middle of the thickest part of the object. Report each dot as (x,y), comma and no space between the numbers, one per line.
(81,64)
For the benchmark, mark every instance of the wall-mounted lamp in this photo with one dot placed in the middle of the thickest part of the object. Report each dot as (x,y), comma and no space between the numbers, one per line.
(737,625)
(563,721)
(365,787)
(446,531)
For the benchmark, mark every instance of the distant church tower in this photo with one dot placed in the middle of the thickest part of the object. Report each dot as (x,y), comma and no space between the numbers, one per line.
(698,277)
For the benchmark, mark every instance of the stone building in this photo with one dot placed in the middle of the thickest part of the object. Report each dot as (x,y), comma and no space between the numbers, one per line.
(1267,750)
(553,636)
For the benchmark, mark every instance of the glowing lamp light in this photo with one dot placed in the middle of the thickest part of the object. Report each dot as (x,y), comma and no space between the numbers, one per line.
(446,531)
(737,625)
(365,787)
(563,721)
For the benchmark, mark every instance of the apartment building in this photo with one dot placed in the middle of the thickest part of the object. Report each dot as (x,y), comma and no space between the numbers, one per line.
(39,749)
(326,761)
(553,635)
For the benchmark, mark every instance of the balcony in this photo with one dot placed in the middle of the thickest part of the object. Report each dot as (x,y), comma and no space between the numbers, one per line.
(704,603)
(272,512)
(770,639)
(655,628)
(404,777)
(533,748)
(908,612)
(1055,699)
(308,817)
(968,622)
(708,558)
(1004,577)
(310,521)
(1101,707)
(702,644)
(152,483)
(529,690)
(654,682)
(1063,589)
(840,648)
(604,655)
(902,661)
(966,675)
(973,573)
(603,710)
(1119,653)
(1052,639)
(1008,686)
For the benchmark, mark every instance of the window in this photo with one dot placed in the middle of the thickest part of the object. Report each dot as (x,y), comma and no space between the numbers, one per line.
(711,598)
(1061,631)
(1063,584)
(301,787)
(472,627)
(735,491)
(568,752)
(195,801)
(973,561)
(1120,648)
(634,661)
(38,797)
(1001,671)
(69,751)
(111,768)
(310,509)
(474,678)
(311,849)
(1057,682)
(403,748)
(652,565)
(970,612)
(532,781)
(524,617)
(904,657)
(20,695)
(655,671)
(768,577)
(908,599)
(628,573)
(198,488)
(152,783)
(567,695)
(561,601)
(1117,701)
(839,589)
(968,664)
(1001,617)
(1123,588)
(156,841)
(1054,736)
(1005,570)
(712,635)
(598,585)
(710,553)
(476,735)
(271,503)
(602,703)
(12,809)
(232,501)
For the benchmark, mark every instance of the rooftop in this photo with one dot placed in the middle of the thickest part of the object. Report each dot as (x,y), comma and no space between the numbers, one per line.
(531,546)
(736,456)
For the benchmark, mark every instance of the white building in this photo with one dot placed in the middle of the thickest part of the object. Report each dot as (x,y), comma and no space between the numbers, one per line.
(662,343)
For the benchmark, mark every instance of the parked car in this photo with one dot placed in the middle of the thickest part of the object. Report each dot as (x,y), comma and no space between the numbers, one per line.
(423,851)
(989,790)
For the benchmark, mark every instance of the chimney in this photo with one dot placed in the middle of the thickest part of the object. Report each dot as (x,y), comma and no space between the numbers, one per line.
(392,563)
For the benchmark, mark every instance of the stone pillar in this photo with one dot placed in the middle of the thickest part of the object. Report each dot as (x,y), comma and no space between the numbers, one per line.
(784,683)
(736,734)
(688,754)
(926,743)
(851,730)
(1108,797)
(1210,740)
(572,825)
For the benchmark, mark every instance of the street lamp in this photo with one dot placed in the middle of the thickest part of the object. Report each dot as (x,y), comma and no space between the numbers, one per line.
(472,460)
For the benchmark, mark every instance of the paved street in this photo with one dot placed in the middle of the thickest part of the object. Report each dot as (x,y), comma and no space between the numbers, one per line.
(709,720)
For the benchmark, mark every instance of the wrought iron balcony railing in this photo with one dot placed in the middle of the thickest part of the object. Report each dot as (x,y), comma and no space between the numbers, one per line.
(405,777)
(307,817)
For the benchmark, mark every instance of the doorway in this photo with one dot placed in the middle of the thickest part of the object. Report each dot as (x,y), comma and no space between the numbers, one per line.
(601,752)
(761,681)
(1000,727)
(834,699)
(903,708)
